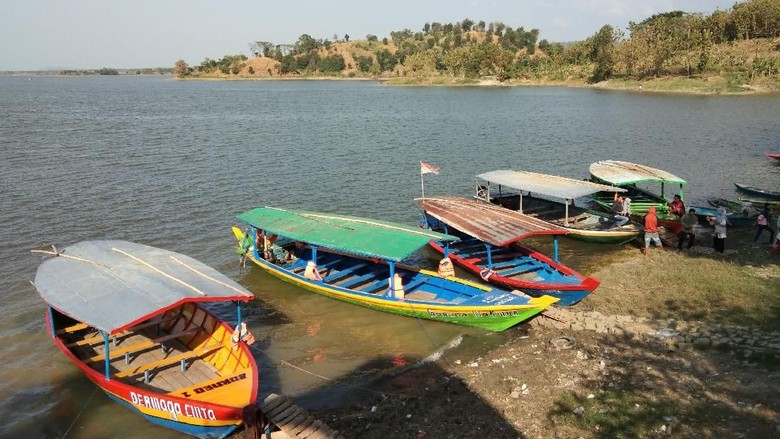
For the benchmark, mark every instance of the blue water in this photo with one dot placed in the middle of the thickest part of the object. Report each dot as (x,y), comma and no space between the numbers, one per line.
(170,163)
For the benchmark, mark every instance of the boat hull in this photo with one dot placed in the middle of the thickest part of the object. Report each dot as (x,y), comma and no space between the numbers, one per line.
(180,410)
(593,229)
(567,293)
(602,237)
(487,308)
(491,318)
(765,194)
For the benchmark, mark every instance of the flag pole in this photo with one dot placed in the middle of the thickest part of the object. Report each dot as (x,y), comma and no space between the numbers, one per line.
(422,182)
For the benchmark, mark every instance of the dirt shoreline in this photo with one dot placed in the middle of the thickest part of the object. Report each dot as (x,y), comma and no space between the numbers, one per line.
(605,368)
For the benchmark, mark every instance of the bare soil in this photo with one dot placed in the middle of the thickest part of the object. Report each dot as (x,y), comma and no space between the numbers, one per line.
(601,387)
(560,383)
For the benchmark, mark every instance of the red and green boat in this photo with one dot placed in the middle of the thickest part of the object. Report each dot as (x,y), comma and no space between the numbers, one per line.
(359,261)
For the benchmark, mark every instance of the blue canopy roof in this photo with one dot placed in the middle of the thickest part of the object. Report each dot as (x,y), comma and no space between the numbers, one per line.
(112,285)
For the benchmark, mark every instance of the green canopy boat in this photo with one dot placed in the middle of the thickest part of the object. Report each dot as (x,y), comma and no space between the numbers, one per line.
(356,260)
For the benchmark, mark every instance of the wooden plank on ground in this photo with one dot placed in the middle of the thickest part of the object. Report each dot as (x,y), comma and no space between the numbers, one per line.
(295,421)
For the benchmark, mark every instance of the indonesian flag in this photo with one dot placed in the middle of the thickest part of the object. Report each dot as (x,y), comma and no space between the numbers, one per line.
(426,168)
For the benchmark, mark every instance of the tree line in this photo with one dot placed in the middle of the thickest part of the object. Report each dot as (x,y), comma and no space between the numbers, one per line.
(671,43)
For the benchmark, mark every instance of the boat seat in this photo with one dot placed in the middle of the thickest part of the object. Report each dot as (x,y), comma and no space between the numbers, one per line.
(523,269)
(414,284)
(116,353)
(358,280)
(422,296)
(168,361)
(343,273)
(136,328)
(74,328)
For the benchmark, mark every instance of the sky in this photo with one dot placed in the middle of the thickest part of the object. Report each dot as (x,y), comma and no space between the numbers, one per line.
(91,34)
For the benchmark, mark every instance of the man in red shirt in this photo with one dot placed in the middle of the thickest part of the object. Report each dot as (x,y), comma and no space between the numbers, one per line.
(651,229)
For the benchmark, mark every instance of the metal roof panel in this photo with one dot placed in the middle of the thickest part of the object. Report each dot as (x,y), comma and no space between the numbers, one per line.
(485,221)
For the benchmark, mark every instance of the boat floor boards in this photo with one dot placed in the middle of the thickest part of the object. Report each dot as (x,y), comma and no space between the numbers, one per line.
(163,379)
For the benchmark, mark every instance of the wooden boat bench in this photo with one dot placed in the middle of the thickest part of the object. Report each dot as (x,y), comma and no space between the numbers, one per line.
(344,273)
(523,269)
(180,358)
(99,338)
(360,279)
(146,344)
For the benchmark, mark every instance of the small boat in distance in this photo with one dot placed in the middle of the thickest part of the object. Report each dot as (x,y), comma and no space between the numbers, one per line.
(760,193)
(359,261)
(537,195)
(772,155)
(489,248)
(129,316)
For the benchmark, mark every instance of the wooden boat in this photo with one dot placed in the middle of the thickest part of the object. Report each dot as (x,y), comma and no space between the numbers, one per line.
(356,260)
(772,155)
(489,248)
(129,316)
(627,175)
(761,193)
(735,219)
(734,206)
(759,202)
(524,191)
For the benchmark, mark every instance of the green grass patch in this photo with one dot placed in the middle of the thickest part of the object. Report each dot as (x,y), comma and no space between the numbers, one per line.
(625,414)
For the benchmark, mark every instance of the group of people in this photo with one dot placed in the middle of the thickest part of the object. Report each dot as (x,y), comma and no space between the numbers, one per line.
(621,210)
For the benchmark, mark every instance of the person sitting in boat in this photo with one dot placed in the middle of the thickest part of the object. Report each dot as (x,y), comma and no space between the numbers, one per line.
(311,272)
(618,211)
(677,207)
(445,268)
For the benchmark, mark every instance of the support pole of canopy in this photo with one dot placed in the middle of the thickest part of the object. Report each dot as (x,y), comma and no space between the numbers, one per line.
(489,257)
(520,207)
(446,249)
(391,290)
(314,254)
(422,184)
(566,218)
(500,197)
(238,317)
(681,193)
(107,354)
(51,323)
(555,248)
(662,190)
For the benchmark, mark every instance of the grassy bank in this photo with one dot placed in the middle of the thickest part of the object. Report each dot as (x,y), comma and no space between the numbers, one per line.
(740,288)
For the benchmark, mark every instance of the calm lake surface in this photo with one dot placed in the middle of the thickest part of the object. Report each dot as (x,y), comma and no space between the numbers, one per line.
(170,163)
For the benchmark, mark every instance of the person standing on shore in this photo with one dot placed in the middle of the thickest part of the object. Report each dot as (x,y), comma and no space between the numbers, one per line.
(762,223)
(689,223)
(651,229)
(719,222)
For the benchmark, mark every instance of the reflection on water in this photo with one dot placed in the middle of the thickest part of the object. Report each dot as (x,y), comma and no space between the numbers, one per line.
(169,164)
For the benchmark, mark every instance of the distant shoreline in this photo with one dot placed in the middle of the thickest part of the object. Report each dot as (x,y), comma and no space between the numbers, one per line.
(668,85)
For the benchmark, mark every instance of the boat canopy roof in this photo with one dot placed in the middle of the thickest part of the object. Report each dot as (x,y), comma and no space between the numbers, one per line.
(114,285)
(622,173)
(549,185)
(485,221)
(354,235)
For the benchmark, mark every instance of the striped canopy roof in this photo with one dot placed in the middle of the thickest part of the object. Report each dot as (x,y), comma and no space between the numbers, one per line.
(113,285)
(623,173)
(485,221)
(549,185)
(354,235)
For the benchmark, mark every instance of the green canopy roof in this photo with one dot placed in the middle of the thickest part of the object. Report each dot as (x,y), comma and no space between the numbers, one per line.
(359,236)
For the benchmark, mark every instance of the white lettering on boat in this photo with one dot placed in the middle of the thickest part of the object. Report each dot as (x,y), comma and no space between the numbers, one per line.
(172,407)
(478,314)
